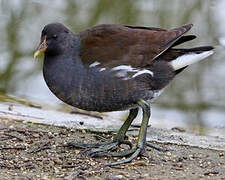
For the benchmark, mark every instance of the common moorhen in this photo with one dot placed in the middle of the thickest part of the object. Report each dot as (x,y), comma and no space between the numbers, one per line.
(113,67)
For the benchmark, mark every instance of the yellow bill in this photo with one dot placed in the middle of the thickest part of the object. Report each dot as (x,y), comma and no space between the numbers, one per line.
(41,48)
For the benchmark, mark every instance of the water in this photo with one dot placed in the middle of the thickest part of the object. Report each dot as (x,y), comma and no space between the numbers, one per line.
(194,100)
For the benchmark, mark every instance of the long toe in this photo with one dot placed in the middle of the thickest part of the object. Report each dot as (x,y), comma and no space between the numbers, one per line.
(116,154)
(84,145)
(103,148)
(136,152)
(153,146)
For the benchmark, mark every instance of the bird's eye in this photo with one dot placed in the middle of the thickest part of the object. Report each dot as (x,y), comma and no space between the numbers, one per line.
(54,36)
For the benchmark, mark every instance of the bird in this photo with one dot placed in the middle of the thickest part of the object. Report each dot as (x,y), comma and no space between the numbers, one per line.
(113,67)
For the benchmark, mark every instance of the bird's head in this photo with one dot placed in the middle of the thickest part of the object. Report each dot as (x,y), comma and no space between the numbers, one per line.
(54,40)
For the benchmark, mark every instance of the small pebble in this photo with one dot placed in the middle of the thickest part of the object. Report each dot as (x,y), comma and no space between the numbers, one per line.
(178,129)
(117,177)
(139,163)
(57,161)
(77,151)
(83,131)
(81,123)
(36,135)
(10,108)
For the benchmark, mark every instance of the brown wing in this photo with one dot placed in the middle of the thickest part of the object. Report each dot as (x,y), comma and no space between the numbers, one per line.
(113,45)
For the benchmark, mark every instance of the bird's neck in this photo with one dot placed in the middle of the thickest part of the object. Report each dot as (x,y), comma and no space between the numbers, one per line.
(60,66)
(59,71)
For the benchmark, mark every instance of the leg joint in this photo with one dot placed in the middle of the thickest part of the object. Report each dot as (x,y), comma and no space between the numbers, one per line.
(144,105)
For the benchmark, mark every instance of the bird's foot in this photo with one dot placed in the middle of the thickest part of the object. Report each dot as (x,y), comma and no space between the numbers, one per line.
(97,152)
(135,152)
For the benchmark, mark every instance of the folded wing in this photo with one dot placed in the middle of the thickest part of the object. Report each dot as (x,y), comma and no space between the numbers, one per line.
(111,45)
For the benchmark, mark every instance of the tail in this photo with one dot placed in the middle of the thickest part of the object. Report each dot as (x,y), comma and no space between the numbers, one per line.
(179,59)
(190,56)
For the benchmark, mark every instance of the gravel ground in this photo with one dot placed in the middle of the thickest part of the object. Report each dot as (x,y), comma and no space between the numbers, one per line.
(32,151)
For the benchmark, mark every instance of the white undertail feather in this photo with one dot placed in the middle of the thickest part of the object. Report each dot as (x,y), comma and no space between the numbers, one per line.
(144,71)
(188,59)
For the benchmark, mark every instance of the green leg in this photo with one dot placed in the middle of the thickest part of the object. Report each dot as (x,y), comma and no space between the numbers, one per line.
(118,138)
(141,142)
(122,131)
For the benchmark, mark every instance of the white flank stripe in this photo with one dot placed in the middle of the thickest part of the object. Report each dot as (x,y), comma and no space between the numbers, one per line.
(121,74)
(124,67)
(94,64)
(145,71)
(188,59)
(122,71)
(102,69)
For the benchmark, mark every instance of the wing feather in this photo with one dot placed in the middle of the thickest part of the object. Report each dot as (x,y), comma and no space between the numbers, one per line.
(113,45)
